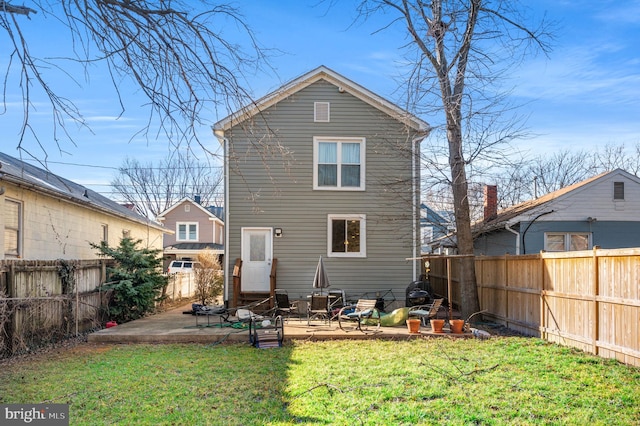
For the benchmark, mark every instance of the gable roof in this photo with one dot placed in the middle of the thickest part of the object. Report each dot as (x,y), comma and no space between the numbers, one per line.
(511,214)
(343,84)
(207,210)
(27,175)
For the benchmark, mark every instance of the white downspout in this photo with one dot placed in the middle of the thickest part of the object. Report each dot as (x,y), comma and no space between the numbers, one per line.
(225,143)
(415,151)
(508,228)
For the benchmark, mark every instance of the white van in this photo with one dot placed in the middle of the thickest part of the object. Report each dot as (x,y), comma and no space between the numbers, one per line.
(184,266)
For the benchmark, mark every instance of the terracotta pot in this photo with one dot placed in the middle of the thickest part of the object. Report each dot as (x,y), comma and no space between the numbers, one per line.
(413,325)
(456,325)
(436,325)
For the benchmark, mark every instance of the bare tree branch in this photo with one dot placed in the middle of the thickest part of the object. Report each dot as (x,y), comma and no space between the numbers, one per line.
(175,52)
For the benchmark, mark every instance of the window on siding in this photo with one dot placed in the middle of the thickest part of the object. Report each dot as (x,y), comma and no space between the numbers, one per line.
(321,112)
(618,190)
(339,163)
(567,241)
(12,228)
(347,236)
(186,231)
(105,233)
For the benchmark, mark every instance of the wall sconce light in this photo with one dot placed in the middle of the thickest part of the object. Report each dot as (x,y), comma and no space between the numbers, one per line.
(277,232)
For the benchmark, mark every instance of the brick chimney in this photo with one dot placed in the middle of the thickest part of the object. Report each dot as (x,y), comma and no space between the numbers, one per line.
(490,202)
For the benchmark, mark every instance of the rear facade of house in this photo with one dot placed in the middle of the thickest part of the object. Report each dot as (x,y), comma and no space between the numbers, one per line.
(327,169)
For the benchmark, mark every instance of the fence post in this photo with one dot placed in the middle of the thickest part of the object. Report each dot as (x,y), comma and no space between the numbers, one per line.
(543,324)
(595,332)
(449,286)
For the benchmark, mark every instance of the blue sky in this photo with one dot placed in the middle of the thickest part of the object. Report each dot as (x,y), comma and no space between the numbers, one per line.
(585,94)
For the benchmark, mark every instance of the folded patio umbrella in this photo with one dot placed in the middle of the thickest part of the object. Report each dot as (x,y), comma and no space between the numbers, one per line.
(321,279)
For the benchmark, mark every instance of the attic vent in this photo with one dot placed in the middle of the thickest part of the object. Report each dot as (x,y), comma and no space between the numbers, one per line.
(187,208)
(618,190)
(321,112)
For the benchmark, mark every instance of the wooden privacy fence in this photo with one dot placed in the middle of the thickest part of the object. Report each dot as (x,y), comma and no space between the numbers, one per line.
(45,301)
(585,299)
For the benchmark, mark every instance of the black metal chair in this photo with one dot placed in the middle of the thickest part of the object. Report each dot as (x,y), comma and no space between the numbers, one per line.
(283,306)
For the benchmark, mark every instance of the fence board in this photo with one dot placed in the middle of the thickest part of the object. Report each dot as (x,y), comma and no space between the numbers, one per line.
(586,299)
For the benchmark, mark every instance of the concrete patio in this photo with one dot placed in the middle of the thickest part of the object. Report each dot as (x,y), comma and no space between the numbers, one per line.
(174,326)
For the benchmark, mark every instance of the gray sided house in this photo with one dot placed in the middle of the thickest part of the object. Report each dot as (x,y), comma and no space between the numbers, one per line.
(601,211)
(322,167)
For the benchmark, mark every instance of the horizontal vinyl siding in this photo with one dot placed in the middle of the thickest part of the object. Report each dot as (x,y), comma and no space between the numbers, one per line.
(284,197)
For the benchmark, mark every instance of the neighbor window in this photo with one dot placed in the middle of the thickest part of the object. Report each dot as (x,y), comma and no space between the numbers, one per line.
(12,228)
(346,236)
(569,241)
(187,231)
(618,190)
(105,233)
(339,163)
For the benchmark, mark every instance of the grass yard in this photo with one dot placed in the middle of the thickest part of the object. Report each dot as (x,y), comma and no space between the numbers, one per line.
(439,381)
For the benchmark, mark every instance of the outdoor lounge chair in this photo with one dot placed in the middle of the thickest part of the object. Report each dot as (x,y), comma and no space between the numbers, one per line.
(362,312)
(426,312)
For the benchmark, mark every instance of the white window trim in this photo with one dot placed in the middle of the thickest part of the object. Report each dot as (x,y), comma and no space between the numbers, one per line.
(20,230)
(338,187)
(363,235)
(187,224)
(567,240)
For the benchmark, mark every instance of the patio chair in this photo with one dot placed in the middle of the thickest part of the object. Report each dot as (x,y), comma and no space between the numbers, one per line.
(426,312)
(283,307)
(363,312)
(318,308)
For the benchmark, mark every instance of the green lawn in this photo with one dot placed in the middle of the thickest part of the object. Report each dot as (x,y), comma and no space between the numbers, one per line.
(439,381)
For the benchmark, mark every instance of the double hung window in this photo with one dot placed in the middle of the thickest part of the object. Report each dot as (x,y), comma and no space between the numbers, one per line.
(186,231)
(339,163)
(12,228)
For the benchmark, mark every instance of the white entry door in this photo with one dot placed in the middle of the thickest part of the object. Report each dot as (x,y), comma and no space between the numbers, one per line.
(256,258)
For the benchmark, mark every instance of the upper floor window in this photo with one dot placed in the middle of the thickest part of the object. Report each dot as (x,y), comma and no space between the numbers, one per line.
(339,163)
(347,236)
(105,233)
(567,241)
(186,231)
(12,228)
(618,190)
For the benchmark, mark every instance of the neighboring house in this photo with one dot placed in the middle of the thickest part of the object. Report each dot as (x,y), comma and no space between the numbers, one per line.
(46,217)
(434,225)
(322,167)
(195,228)
(601,211)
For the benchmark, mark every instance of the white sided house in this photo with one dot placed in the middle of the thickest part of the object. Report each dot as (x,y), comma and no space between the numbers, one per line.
(601,211)
(46,217)
(321,167)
